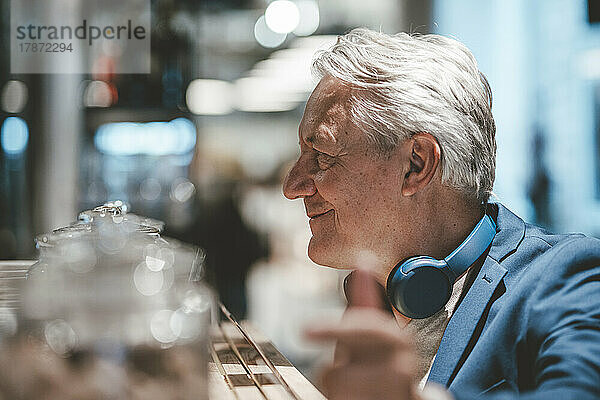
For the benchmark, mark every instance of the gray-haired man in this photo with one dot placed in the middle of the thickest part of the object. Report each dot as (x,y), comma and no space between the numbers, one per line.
(398,160)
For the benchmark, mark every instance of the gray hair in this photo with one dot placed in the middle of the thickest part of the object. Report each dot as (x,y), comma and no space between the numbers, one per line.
(405,84)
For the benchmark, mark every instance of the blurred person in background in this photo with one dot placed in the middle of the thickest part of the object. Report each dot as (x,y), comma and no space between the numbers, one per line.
(231,245)
(397,160)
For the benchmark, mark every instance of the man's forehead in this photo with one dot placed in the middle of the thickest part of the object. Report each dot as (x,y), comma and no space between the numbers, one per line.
(330,90)
(326,111)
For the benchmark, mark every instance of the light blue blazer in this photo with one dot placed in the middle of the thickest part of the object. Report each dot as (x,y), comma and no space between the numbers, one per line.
(529,326)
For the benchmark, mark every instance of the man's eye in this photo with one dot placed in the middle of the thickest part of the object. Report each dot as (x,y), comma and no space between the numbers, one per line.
(325,160)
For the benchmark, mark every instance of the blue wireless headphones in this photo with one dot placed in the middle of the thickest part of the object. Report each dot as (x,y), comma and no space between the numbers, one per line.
(420,286)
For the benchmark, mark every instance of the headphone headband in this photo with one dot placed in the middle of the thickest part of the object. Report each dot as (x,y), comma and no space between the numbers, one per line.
(472,247)
(420,286)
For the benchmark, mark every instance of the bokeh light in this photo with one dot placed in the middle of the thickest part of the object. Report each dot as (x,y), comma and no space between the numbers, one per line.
(197,302)
(209,97)
(154,264)
(153,138)
(160,327)
(265,36)
(282,16)
(258,94)
(185,324)
(14,135)
(97,94)
(309,17)
(14,96)
(146,281)
(60,336)
(182,190)
(150,189)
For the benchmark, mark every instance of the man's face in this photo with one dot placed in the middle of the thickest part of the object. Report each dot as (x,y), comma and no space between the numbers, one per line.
(351,192)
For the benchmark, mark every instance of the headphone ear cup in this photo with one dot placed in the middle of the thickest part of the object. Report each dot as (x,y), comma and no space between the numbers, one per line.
(418,288)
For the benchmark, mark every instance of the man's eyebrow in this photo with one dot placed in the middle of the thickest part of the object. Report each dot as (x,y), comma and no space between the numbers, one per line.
(318,137)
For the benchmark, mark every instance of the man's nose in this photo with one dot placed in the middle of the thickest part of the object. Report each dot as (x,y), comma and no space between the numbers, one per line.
(299,182)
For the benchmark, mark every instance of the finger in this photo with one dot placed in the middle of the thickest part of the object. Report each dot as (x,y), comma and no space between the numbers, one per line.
(433,391)
(341,355)
(362,328)
(366,356)
(364,291)
(394,379)
(363,344)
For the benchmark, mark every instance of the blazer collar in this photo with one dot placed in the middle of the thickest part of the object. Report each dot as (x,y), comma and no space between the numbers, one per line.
(460,330)
(510,231)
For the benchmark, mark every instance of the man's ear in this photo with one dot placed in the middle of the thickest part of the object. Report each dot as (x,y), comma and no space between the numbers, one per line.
(424,158)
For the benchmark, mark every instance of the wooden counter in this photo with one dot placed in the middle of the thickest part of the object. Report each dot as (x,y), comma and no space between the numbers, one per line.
(228,378)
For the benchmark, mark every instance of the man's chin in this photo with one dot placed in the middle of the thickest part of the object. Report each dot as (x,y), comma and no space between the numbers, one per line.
(326,255)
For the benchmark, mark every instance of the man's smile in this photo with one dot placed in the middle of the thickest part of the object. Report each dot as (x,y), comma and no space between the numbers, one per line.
(314,216)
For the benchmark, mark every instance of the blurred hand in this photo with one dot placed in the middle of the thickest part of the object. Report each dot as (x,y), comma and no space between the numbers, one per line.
(374,358)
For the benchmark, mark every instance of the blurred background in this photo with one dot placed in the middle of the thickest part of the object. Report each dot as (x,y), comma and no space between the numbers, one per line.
(203,141)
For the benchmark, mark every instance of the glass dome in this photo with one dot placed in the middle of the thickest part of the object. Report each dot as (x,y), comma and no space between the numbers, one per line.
(109,290)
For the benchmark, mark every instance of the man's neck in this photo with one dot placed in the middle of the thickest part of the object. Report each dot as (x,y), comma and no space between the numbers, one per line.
(437,232)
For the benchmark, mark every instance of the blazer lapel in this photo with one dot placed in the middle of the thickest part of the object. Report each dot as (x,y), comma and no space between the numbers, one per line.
(464,320)
(510,230)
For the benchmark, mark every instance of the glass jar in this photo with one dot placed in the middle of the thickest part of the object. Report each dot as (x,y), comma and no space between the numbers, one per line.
(113,310)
